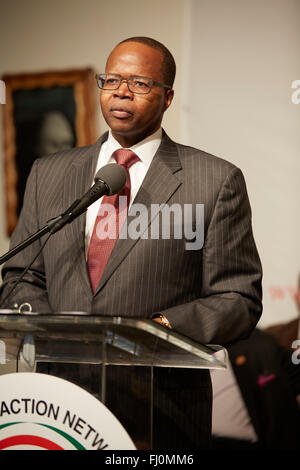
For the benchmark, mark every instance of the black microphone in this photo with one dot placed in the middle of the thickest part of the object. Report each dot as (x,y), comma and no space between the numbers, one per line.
(109,180)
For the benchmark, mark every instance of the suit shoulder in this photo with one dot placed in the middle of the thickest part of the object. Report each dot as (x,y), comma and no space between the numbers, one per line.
(53,168)
(65,157)
(210,169)
(50,171)
(199,157)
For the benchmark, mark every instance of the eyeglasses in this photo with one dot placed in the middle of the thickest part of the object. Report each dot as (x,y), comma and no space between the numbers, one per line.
(136,84)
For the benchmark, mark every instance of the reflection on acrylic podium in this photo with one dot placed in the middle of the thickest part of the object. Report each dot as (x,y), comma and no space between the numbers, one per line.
(142,371)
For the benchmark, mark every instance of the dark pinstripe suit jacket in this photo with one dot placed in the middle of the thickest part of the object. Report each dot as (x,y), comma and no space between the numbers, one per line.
(210,295)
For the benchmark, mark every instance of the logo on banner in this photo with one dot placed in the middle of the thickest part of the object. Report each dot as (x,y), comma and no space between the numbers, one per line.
(39,411)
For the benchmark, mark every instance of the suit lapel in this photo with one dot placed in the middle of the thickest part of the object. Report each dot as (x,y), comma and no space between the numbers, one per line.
(159,185)
(78,180)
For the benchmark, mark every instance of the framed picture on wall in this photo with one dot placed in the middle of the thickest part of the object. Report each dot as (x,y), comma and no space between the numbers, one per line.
(44,112)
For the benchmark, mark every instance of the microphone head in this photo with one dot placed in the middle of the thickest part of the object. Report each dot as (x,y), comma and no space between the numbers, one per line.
(114,176)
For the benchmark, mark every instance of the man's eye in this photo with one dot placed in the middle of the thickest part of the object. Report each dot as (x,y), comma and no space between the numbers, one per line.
(140,84)
(111,81)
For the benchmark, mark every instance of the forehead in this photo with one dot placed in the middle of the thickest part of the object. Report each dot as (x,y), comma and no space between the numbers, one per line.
(132,58)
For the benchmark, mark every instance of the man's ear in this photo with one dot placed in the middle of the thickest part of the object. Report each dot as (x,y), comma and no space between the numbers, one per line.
(168,98)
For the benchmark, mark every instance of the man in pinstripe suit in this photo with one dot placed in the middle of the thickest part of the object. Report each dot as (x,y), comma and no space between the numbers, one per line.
(212,294)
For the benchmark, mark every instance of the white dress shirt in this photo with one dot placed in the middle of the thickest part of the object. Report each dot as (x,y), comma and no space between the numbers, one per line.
(230,417)
(145,150)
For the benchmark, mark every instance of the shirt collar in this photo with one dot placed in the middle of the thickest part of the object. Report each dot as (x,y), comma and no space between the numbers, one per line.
(145,150)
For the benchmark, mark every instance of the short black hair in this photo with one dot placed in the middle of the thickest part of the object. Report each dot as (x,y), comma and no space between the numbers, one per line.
(169,65)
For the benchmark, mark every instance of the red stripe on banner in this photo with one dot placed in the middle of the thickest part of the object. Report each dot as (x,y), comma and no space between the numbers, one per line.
(29,440)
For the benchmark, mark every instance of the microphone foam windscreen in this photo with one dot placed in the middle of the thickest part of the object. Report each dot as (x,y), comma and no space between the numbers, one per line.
(114,176)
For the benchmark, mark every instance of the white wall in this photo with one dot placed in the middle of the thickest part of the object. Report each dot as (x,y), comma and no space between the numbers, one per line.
(242,58)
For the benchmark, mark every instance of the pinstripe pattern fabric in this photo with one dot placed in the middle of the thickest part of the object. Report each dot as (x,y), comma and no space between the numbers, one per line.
(211,295)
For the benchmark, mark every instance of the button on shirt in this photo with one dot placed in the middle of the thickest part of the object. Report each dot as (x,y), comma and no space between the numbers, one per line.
(145,150)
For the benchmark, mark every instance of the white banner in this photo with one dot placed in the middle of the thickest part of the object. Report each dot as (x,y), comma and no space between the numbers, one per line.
(39,411)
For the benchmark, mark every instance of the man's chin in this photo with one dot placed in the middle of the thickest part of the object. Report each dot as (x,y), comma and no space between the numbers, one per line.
(121,125)
(125,137)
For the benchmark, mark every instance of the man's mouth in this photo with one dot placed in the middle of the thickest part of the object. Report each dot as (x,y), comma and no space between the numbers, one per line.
(121,113)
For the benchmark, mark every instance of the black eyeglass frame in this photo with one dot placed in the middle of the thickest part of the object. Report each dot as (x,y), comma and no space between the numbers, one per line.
(121,79)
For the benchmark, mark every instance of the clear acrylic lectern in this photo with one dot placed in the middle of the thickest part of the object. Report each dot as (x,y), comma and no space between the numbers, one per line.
(124,362)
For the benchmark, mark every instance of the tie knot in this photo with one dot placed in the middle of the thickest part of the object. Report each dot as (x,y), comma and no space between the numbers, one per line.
(125,157)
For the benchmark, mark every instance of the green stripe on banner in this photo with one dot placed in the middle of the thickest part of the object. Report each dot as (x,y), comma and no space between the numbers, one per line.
(69,438)
(10,424)
(66,436)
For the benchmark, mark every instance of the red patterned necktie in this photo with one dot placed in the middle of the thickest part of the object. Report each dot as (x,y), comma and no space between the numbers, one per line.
(110,218)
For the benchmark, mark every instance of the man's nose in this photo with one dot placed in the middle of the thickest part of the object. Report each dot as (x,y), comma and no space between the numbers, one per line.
(123,90)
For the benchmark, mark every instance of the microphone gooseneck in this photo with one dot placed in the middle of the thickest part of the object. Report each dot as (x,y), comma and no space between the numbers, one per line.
(109,180)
